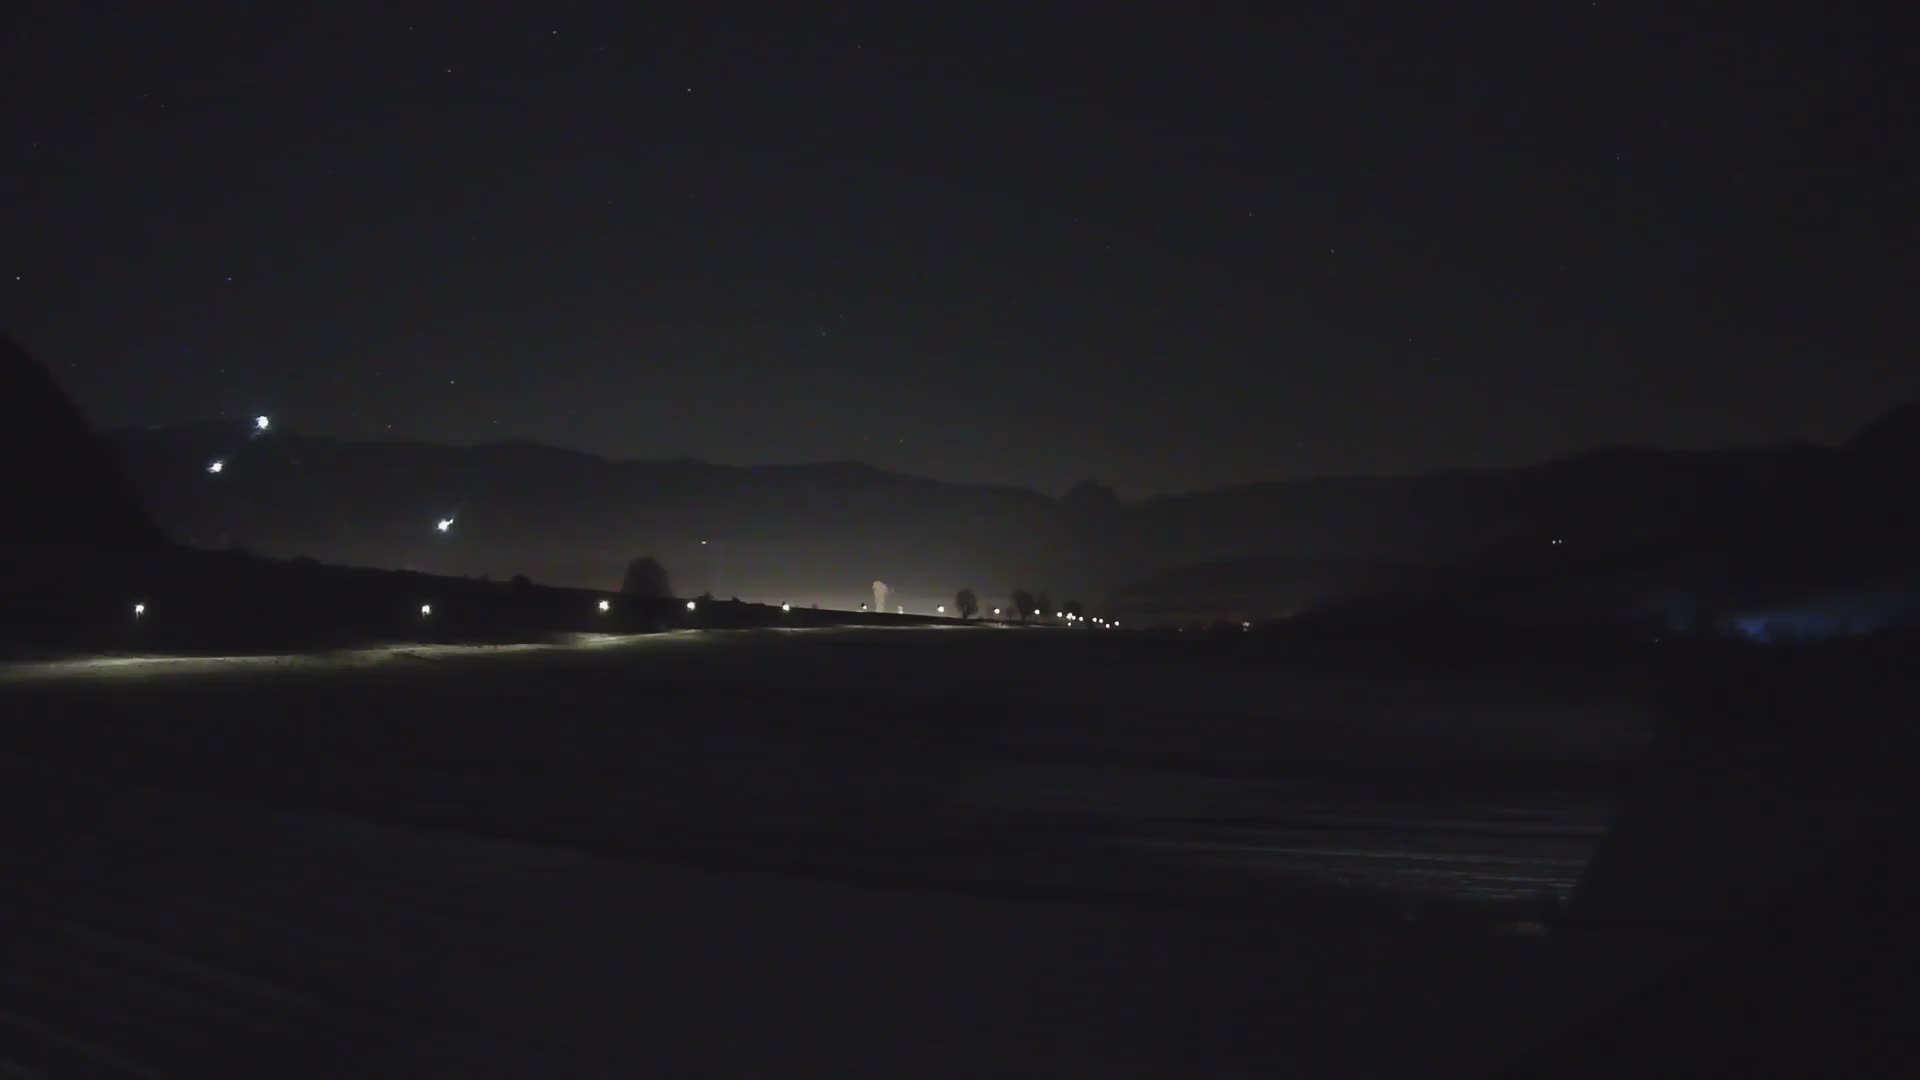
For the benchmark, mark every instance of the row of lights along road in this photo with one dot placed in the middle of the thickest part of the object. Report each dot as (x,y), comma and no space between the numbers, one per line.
(605,606)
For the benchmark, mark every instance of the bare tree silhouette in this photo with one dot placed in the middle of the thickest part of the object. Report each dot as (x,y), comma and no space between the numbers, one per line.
(1023,604)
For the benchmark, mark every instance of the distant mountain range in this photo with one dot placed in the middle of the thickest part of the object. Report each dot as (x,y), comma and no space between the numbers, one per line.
(1612,527)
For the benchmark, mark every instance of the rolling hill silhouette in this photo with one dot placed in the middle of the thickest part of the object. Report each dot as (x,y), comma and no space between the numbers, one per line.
(1636,526)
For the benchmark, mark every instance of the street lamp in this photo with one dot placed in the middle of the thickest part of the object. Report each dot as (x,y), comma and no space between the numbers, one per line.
(216,466)
(261,423)
(139,610)
(426,610)
(690,605)
(606,606)
(786,607)
(443,524)
(941,610)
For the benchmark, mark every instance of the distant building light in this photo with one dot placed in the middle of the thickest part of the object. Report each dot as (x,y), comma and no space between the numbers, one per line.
(216,466)
(139,610)
(606,606)
(691,605)
(996,612)
(786,607)
(443,524)
(1057,614)
(261,423)
(426,610)
(941,610)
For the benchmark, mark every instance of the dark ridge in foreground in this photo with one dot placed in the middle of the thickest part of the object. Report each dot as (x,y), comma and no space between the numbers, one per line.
(63,499)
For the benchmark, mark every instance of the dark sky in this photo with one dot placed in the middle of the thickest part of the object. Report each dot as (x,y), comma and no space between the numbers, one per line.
(970,240)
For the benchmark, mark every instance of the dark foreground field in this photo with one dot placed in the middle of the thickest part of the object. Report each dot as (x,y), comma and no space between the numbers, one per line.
(835,852)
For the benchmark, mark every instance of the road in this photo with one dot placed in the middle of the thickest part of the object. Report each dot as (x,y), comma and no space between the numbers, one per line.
(756,854)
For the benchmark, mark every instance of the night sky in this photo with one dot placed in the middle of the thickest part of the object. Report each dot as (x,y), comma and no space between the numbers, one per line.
(970,240)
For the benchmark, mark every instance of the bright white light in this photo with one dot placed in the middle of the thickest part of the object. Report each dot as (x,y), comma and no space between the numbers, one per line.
(703,543)
(606,606)
(261,423)
(139,610)
(426,610)
(443,524)
(996,612)
(691,605)
(1057,615)
(1246,626)
(216,466)
(786,607)
(941,610)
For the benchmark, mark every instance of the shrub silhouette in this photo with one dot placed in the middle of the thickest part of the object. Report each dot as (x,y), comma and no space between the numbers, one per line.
(646,577)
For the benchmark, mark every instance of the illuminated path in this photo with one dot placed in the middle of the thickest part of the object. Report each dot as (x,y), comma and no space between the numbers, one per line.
(141,666)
